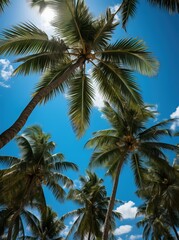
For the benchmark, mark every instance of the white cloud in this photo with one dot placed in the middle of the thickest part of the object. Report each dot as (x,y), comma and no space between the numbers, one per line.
(122,230)
(6,70)
(113,10)
(98,99)
(175,115)
(154,108)
(4,85)
(128,210)
(134,237)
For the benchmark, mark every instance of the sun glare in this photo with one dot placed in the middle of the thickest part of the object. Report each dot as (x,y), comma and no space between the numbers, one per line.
(47,16)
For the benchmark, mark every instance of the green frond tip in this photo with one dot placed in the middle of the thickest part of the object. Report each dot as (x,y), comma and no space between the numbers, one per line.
(128,9)
(3,3)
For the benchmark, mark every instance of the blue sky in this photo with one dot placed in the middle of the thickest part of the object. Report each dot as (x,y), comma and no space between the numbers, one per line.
(160,32)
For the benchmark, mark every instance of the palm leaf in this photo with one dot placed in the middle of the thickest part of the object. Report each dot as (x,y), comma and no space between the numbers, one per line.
(8,160)
(138,169)
(104,29)
(128,9)
(133,54)
(74,21)
(61,166)
(121,81)
(103,156)
(3,3)
(51,76)
(171,6)
(80,100)
(23,39)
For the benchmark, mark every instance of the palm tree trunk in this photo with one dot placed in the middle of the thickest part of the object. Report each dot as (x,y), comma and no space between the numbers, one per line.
(17,213)
(11,132)
(112,199)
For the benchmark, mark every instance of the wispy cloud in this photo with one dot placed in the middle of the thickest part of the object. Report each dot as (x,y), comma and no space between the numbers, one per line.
(128,210)
(6,70)
(154,108)
(134,237)
(122,230)
(175,115)
(113,10)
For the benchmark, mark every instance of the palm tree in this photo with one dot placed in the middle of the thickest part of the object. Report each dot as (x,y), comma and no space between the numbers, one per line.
(128,8)
(24,219)
(3,3)
(48,227)
(161,189)
(36,167)
(84,43)
(154,222)
(89,219)
(127,139)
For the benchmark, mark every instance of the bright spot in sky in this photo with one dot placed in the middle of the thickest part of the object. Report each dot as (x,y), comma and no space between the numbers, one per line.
(46,18)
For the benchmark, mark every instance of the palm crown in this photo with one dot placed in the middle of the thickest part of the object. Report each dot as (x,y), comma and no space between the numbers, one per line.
(127,139)
(79,40)
(93,201)
(25,176)
(160,192)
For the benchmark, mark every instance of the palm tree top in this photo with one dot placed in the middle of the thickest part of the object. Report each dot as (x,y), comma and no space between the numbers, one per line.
(81,41)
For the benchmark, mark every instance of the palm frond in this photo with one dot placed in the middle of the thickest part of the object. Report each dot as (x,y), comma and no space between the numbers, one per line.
(56,189)
(104,29)
(80,101)
(51,76)
(8,160)
(103,156)
(128,9)
(74,22)
(120,82)
(3,3)
(61,166)
(170,6)
(156,129)
(133,54)
(23,39)
(138,169)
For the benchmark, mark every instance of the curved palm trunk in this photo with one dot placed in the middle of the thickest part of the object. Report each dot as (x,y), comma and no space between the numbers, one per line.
(11,132)
(112,199)
(17,213)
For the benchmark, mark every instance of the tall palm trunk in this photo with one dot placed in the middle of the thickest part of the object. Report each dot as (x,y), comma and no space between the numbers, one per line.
(11,132)
(17,213)
(112,199)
